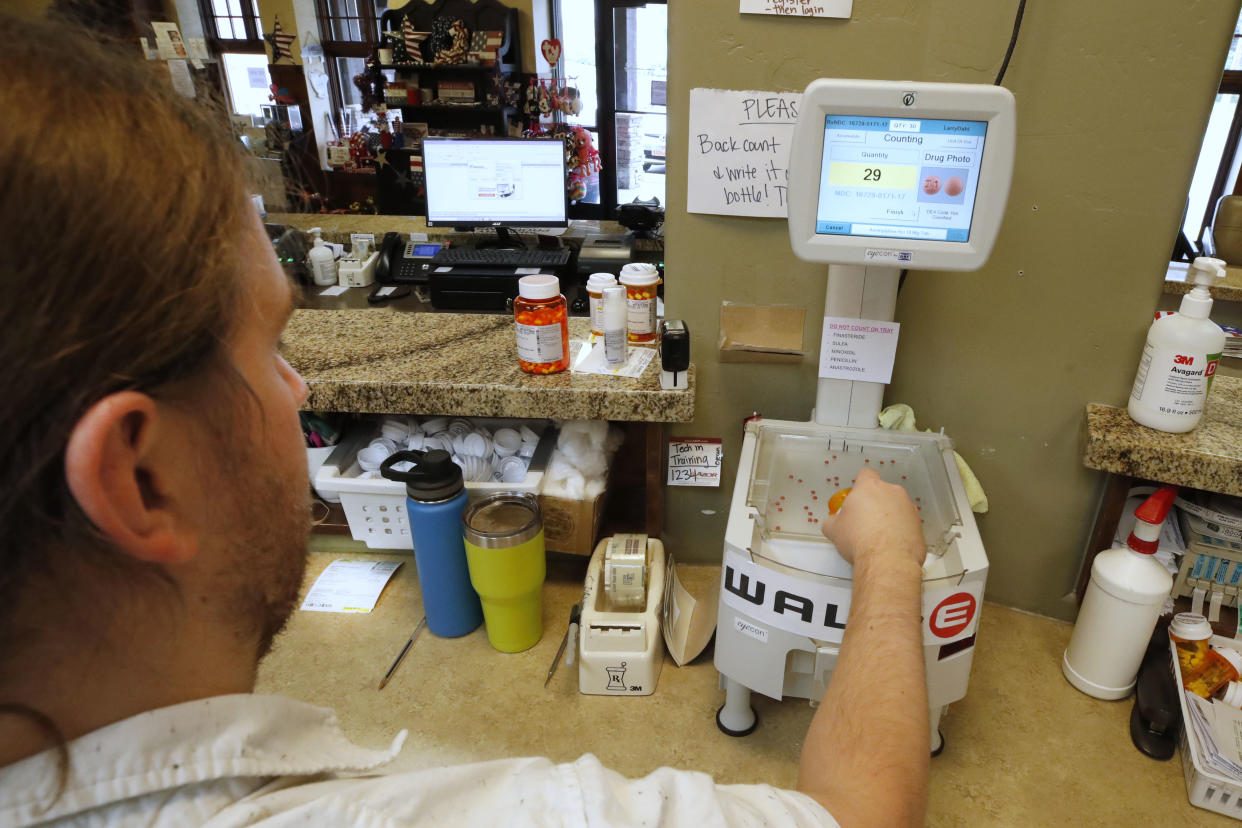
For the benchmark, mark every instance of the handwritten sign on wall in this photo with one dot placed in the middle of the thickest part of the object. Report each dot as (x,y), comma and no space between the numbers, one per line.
(739,152)
(799,8)
(695,461)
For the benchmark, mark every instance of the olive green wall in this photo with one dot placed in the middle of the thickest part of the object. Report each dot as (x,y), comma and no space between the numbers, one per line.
(1112,102)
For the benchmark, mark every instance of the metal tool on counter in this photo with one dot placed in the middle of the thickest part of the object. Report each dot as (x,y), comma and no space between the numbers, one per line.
(422,622)
(571,634)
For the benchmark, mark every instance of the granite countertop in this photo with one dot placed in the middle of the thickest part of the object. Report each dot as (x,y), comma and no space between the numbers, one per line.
(385,362)
(1023,748)
(1208,458)
(1229,288)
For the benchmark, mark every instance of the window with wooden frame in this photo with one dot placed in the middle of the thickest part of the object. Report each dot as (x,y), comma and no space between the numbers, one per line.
(232,25)
(1218,171)
(349,30)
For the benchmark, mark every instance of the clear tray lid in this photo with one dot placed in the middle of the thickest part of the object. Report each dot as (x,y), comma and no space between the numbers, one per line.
(799,466)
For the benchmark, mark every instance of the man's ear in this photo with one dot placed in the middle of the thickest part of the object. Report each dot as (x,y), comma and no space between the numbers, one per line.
(118,473)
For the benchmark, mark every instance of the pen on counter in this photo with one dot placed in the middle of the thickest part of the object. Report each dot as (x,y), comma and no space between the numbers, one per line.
(575,616)
(397,663)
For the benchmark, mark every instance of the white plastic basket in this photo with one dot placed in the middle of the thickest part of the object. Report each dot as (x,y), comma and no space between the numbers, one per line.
(1204,788)
(375,506)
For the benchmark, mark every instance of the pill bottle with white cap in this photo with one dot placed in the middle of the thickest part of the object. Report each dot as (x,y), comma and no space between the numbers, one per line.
(1223,666)
(641,281)
(1232,694)
(1191,634)
(542,321)
(595,295)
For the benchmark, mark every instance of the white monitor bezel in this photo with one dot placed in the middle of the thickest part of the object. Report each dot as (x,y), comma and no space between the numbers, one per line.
(900,99)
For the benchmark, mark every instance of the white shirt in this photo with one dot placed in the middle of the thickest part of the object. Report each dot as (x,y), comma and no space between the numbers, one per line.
(272,761)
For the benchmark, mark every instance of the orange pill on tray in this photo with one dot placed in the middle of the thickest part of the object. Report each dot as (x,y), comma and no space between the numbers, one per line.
(838,500)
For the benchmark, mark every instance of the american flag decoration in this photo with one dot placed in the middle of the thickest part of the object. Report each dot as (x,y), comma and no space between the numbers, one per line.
(280,42)
(484,46)
(413,41)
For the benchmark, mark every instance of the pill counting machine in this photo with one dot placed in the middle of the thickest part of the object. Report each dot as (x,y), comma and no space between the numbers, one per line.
(882,175)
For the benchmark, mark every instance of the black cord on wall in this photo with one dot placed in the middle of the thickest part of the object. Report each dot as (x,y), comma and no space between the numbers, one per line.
(1013,41)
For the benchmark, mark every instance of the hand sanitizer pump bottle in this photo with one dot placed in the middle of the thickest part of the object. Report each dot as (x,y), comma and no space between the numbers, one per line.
(1180,358)
(322,261)
(1123,601)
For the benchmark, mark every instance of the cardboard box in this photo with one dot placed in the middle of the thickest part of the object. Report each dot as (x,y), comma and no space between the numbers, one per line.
(571,525)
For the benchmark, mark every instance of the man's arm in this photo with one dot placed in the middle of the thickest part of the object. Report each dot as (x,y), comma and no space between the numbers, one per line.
(866,752)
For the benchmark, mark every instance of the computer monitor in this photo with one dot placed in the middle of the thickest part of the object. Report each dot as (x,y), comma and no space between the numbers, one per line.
(899,174)
(495,182)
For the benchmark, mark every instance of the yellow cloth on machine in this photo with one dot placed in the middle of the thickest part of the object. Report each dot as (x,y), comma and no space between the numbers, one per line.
(900,417)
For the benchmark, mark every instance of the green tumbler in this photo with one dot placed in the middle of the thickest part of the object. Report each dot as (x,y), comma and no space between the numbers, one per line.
(505,553)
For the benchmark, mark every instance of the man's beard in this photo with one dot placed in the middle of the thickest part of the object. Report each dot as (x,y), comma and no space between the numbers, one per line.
(267,528)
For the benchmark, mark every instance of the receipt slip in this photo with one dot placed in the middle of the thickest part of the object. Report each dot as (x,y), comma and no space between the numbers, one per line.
(349,586)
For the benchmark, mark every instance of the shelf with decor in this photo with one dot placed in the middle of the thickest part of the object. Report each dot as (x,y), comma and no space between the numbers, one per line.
(431,68)
(450,67)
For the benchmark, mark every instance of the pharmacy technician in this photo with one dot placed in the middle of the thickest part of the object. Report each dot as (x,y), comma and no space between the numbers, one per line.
(155,516)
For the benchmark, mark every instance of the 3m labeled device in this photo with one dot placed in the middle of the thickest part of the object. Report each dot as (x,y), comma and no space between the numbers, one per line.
(883,176)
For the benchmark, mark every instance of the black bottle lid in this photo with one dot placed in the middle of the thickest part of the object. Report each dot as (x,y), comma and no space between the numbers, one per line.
(434,477)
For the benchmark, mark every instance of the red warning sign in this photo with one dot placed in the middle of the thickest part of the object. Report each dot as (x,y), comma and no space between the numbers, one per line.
(952,615)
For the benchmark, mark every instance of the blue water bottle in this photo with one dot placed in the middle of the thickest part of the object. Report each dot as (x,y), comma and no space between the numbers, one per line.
(435,498)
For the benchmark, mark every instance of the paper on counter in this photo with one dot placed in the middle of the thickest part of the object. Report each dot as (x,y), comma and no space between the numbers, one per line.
(349,586)
(593,362)
(688,623)
(335,290)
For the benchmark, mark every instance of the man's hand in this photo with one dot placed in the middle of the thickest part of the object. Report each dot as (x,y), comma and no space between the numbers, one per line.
(877,518)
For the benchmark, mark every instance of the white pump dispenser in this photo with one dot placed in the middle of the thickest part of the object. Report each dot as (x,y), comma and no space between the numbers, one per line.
(322,261)
(1124,599)
(1180,358)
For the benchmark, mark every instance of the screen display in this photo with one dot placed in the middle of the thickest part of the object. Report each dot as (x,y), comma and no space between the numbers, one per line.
(899,178)
(495,182)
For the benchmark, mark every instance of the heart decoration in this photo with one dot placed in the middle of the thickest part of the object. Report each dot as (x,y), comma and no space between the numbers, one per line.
(551,50)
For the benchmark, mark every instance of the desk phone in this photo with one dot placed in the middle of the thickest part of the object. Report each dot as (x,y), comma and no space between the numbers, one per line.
(403,261)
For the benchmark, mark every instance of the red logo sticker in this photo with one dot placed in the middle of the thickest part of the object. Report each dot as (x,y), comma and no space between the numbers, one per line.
(952,615)
(1211,368)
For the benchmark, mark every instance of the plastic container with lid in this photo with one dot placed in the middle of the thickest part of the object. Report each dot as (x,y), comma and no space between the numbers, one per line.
(542,322)
(505,551)
(1124,599)
(1223,666)
(435,500)
(641,281)
(1191,634)
(595,293)
(1232,694)
(615,335)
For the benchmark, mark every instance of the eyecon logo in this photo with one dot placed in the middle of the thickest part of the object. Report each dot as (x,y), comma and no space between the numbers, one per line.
(1182,359)
(952,615)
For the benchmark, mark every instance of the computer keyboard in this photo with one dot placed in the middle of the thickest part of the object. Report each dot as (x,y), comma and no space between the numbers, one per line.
(500,257)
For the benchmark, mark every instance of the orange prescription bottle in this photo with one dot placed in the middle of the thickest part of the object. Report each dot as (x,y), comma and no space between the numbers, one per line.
(542,322)
(1191,634)
(595,293)
(1222,667)
(641,281)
